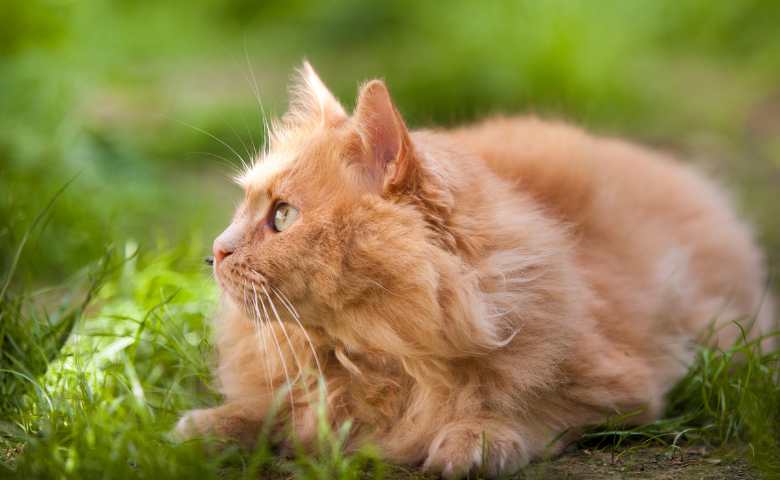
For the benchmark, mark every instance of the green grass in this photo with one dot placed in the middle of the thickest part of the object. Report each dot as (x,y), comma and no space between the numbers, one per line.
(729,398)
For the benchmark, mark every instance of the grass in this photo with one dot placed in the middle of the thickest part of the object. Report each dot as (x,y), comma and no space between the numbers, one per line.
(729,397)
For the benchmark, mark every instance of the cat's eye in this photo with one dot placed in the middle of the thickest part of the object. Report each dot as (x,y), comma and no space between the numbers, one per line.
(284,216)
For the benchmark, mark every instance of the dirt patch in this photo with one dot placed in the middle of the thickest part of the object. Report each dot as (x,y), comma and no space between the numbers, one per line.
(658,463)
(646,462)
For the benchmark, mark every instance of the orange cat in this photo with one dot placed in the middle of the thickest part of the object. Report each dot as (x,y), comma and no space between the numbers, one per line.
(472,298)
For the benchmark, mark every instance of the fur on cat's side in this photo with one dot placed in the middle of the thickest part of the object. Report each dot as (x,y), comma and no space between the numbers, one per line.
(472,297)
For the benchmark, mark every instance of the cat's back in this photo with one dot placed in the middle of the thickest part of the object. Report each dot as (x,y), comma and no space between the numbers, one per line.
(644,222)
(568,170)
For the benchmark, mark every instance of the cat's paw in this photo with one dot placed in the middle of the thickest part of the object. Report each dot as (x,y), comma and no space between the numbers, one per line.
(195,423)
(458,451)
(229,422)
(454,455)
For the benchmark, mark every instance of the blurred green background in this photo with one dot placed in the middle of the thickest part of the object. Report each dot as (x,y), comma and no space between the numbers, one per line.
(129,95)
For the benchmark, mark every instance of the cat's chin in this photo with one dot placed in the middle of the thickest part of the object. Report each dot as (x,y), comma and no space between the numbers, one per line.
(241,297)
(231,304)
(236,306)
(264,307)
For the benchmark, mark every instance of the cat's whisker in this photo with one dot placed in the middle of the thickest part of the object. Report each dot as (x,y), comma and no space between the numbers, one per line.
(380,286)
(260,326)
(281,356)
(301,372)
(236,170)
(286,335)
(254,152)
(214,137)
(243,144)
(286,302)
(256,90)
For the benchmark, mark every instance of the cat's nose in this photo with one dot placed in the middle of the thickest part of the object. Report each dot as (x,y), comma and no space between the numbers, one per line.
(222,249)
(225,244)
(220,254)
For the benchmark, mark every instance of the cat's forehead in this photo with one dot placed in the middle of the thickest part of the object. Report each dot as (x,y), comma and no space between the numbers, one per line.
(304,168)
(257,179)
(288,147)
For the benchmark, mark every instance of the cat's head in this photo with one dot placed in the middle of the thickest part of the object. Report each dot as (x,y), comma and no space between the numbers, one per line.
(347,226)
(330,218)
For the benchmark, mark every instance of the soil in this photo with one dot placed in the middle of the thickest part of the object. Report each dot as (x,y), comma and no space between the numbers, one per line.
(657,463)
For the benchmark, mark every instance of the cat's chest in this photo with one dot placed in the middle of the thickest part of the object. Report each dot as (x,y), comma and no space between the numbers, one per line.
(376,393)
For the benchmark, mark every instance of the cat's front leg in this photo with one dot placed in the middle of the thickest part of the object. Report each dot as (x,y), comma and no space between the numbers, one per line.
(240,421)
(476,445)
(243,421)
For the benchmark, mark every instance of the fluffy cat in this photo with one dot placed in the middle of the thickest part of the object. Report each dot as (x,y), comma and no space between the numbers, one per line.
(471,298)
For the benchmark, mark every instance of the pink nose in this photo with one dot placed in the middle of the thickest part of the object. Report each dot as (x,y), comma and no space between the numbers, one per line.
(219,255)
(221,251)
(226,243)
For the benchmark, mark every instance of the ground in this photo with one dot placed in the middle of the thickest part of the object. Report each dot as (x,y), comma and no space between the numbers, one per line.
(655,463)
(658,463)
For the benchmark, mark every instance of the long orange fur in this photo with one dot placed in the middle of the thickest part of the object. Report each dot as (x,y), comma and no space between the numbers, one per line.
(472,298)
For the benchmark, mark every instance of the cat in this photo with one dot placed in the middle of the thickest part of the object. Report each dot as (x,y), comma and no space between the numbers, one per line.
(472,298)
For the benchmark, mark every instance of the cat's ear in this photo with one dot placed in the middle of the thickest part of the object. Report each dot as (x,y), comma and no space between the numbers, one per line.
(311,99)
(386,148)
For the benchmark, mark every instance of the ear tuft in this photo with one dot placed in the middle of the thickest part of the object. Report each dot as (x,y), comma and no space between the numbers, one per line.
(311,98)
